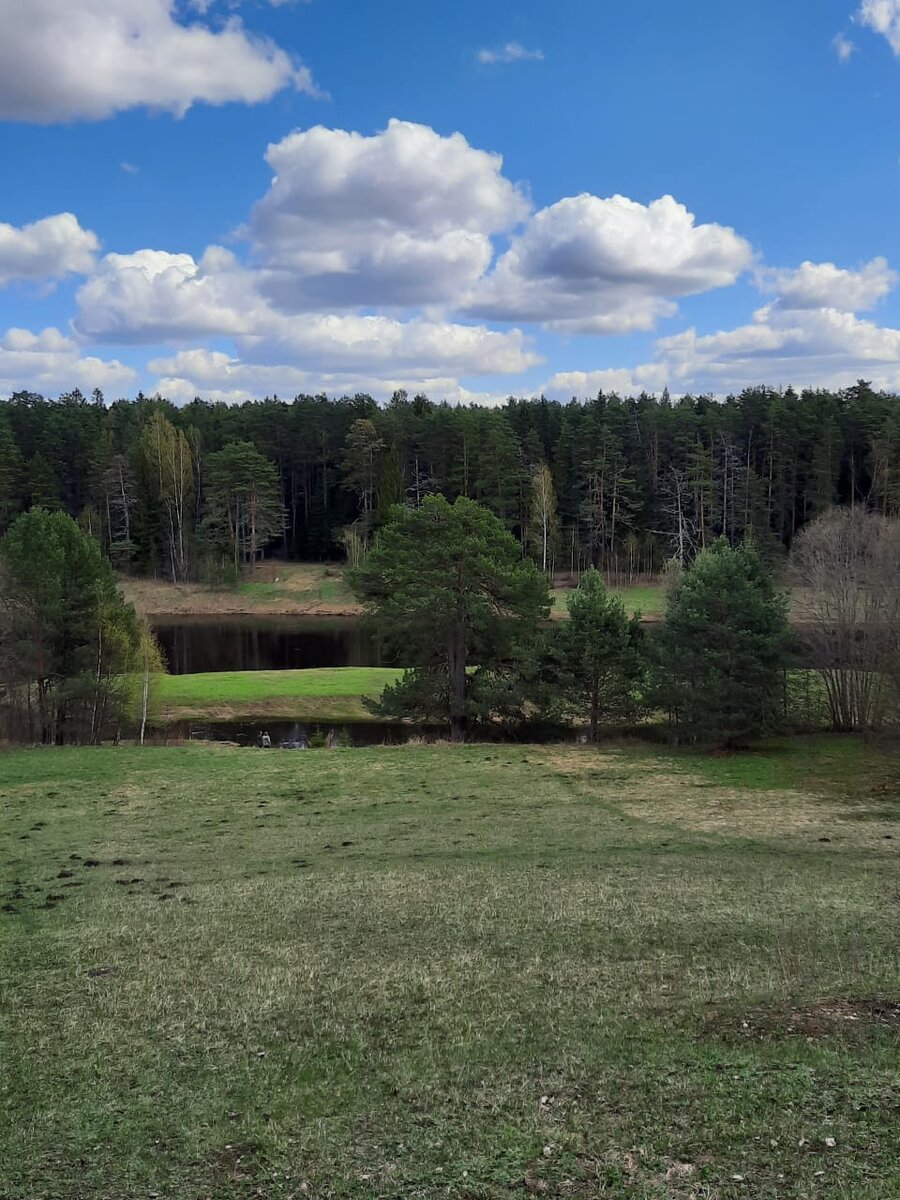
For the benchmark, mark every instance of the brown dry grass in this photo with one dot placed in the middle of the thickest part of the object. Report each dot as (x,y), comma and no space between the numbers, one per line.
(675,797)
(279,589)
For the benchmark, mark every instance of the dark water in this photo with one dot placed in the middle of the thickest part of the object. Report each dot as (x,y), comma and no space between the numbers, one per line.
(297,735)
(307,735)
(200,644)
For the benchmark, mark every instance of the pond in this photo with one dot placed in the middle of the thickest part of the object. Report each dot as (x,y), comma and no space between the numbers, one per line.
(199,644)
(298,735)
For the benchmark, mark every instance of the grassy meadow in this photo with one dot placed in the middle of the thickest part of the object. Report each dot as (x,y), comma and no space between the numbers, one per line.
(647,599)
(435,971)
(313,694)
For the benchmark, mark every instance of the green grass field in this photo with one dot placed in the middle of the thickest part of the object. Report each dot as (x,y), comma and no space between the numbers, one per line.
(307,583)
(649,601)
(326,694)
(465,972)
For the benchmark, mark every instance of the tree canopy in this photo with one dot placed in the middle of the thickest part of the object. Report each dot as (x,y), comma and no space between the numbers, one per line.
(243,501)
(632,481)
(447,584)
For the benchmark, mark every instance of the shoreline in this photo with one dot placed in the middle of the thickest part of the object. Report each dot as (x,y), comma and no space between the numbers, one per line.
(309,590)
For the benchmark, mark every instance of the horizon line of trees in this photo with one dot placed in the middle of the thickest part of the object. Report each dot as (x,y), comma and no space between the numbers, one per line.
(621,484)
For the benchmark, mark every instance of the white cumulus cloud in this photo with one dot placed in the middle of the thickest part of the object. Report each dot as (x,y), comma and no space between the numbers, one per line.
(593,265)
(154,296)
(47,249)
(806,348)
(381,344)
(824,285)
(401,218)
(217,376)
(67,59)
(49,361)
(801,339)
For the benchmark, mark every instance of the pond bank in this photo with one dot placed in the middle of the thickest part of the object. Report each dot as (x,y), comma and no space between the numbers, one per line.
(275,589)
(328,694)
(309,590)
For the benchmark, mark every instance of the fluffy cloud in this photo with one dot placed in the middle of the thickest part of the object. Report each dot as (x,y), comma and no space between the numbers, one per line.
(802,346)
(49,361)
(154,296)
(379,344)
(509,53)
(402,218)
(884,17)
(823,285)
(586,384)
(70,59)
(46,249)
(592,265)
(220,377)
(808,348)
(363,247)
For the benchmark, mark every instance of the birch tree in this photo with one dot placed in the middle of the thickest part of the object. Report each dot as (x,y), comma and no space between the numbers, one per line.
(544,524)
(170,461)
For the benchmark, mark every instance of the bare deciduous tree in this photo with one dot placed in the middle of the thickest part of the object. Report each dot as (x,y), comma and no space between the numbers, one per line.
(676,505)
(544,523)
(846,565)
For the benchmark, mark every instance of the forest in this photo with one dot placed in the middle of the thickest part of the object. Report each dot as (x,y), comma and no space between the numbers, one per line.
(623,484)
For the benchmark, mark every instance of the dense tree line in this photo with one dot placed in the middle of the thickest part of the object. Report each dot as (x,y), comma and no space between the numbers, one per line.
(447,583)
(621,484)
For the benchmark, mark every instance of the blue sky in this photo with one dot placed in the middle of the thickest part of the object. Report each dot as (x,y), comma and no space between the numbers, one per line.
(472,199)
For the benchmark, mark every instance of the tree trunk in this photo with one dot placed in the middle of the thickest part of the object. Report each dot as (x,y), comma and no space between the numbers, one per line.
(456,665)
(144,696)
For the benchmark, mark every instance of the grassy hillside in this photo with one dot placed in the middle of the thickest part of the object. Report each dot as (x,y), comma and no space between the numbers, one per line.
(449,971)
(298,589)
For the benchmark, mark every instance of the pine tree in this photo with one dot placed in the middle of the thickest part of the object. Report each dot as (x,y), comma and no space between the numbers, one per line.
(69,631)
(43,484)
(723,647)
(600,661)
(243,498)
(446,584)
(10,474)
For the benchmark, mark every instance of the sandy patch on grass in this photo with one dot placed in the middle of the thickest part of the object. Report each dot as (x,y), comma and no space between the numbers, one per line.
(650,790)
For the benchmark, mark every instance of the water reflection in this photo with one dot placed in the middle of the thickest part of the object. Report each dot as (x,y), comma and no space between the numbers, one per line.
(193,645)
(299,735)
